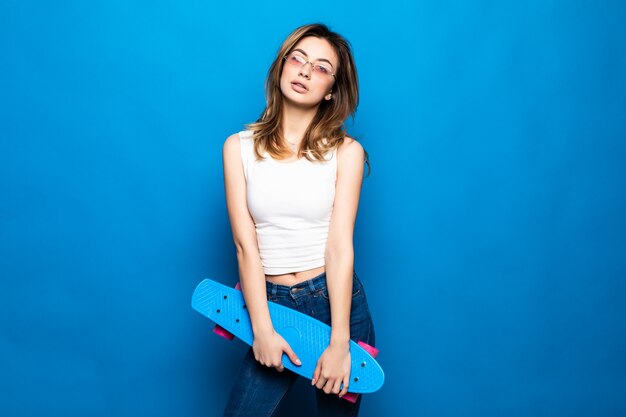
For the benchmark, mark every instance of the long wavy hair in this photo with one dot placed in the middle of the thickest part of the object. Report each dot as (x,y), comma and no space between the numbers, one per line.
(326,131)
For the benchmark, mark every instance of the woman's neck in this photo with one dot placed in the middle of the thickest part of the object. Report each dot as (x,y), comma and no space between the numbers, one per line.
(295,122)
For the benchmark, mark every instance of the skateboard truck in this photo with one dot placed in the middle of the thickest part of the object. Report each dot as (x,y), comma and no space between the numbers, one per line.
(219,330)
(351,396)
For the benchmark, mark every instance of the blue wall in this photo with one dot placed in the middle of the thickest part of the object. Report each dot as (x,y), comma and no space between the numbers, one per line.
(491,234)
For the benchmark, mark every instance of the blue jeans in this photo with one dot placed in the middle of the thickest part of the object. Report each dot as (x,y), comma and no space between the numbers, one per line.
(258,390)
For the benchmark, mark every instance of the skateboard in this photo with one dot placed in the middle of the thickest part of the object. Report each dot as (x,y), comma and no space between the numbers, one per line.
(308,337)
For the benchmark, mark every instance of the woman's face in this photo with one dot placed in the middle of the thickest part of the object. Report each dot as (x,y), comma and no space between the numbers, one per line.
(301,85)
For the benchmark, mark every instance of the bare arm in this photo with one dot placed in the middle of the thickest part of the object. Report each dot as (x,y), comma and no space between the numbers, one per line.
(339,247)
(244,236)
(333,368)
(268,345)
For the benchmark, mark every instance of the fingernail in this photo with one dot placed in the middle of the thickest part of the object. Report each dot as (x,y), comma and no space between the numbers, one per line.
(313,382)
(298,362)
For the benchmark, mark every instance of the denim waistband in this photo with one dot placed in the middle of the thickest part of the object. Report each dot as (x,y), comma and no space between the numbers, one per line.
(309,286)
(312,285)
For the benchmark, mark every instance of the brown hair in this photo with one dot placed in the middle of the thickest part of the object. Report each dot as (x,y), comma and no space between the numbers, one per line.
(326,131)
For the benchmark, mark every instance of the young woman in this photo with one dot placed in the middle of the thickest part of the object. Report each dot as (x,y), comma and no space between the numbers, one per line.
(293,182)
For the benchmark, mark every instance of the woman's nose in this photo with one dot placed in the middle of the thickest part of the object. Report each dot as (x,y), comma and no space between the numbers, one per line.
(305,70)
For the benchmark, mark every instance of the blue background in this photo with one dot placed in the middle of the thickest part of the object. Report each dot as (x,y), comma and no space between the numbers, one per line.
(491,235)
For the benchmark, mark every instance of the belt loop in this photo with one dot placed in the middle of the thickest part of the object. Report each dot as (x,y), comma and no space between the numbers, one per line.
(274,290)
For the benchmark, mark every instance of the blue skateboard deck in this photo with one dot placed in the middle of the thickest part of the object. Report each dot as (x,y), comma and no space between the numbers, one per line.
(307,336)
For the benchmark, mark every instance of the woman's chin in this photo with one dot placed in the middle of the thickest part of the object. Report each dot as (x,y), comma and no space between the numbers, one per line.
(299,102)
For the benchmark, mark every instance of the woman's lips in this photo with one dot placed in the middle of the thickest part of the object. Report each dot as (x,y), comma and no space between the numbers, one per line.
(299,87)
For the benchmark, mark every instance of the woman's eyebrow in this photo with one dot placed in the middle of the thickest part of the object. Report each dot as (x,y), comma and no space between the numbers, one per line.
(305,54)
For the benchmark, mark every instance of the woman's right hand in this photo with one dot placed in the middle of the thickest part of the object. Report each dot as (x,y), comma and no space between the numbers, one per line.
(268,350)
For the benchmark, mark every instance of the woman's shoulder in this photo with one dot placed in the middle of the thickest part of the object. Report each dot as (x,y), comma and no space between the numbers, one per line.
(238,138)
(235,143)
(349,140)
(350,147)
(241,135)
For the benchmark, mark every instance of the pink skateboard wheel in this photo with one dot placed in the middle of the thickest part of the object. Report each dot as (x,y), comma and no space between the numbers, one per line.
(351,397)
(220,331)
(369,349)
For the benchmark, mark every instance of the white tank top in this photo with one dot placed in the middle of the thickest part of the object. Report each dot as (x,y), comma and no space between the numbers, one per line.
(291,204)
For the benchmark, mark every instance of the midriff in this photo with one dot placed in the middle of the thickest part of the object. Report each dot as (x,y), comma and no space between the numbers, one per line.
(294,278)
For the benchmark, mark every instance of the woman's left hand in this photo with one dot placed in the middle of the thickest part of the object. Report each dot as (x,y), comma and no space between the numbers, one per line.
(333,369)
